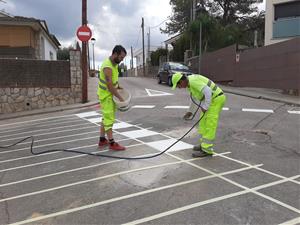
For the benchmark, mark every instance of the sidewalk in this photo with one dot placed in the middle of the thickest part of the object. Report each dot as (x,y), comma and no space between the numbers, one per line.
(262,93)
(259,93)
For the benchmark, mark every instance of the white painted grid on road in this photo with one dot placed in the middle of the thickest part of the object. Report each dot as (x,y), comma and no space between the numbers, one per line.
(247,190)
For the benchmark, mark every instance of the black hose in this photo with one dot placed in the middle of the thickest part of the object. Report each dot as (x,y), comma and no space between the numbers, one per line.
(103,155)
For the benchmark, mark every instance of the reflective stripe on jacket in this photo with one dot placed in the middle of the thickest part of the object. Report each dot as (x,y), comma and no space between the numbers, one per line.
(103,91)
(198,82)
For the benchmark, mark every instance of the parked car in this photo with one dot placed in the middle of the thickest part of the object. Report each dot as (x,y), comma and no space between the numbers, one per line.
(167,70)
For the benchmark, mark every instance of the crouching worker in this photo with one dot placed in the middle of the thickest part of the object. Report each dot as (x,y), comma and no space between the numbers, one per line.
(107,88)
(212,101)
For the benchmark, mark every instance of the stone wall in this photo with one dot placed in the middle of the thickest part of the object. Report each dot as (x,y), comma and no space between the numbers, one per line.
(17,99)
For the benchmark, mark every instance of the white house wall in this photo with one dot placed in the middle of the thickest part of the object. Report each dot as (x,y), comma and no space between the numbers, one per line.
(49,48)
(270,19)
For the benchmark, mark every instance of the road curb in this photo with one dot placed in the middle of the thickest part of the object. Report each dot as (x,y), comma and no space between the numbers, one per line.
(290,102)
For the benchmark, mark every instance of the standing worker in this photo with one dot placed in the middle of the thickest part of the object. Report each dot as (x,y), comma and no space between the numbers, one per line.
(212,101)
(107,88)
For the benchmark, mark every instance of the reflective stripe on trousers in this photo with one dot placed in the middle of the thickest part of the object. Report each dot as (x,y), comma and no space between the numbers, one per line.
(108,109)
(209,124)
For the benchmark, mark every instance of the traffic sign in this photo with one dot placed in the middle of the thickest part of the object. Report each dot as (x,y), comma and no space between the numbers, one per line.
(84,33)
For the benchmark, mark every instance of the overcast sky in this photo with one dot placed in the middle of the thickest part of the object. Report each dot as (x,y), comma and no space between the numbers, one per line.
(112,21)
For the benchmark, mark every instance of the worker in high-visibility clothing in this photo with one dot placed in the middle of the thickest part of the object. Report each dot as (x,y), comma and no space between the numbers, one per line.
(212,101)
(107,88)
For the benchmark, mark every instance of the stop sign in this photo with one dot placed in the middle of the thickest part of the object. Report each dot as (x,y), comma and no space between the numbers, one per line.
(84,33)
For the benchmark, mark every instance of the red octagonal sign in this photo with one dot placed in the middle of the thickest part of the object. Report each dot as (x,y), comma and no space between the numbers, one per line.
(84,33)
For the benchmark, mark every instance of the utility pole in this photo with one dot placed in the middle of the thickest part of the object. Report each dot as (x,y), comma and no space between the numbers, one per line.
(200,48)
(131,62)
(144,74)
(84,55)
(148,54)
(255,39)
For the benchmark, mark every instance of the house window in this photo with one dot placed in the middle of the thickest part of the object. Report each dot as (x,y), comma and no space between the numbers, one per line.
(287,10)
(51,55)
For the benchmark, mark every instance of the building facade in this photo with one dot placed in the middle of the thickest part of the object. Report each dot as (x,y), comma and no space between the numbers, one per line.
(282,20)
(22,37)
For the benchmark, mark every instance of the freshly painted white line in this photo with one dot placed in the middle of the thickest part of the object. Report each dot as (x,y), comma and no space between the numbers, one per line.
(258,110)
(64,212)
(163,144)
(176,107)
(92,166)
(55,132)
(54,160)
(243,163)
(27,157)
(261,169)
(95,120)
(30,121)
(138,133)
(18,128)
(44,129)
(292,222)
(51,144)
(185,208)
(225,108)
(240,186)
(87,114)
(121,125)
(192,206)
(143,106)
(294,112)
(152,93)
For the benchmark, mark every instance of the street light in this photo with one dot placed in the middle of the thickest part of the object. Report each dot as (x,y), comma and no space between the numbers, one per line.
(93,40)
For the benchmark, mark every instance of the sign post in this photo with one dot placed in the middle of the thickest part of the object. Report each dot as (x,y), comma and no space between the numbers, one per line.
(84,34)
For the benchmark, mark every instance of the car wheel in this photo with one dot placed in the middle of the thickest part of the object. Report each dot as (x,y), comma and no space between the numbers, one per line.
(158,79)
(170,81)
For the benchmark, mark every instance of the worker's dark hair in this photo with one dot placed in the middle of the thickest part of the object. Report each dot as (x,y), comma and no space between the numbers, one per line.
(118,49)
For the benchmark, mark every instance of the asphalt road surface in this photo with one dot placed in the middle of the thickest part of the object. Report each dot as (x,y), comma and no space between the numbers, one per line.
(253,179)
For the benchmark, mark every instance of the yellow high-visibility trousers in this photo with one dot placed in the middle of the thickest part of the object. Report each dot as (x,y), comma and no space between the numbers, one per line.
(108,109)
(209,124)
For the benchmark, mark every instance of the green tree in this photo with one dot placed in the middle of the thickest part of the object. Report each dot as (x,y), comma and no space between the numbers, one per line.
(180,18)
(156,55)
(63,54)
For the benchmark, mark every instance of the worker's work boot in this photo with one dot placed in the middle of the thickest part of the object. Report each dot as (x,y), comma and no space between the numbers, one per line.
(103,143)
(200,154)
(197,148)
(116,147)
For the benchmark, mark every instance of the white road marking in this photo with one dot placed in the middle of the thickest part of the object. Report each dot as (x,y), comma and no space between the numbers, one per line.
(225,108)
(251,190)
(258,110)
(292,222)
(96,179)
(55,132)
(47,129)
(64,212)
(54,160)
(294,112)
(163,144)
(30,121)
(153,93)
(121,125)
(176,107)
(143,106)
(87,114)
(138,133)
(51,144)
(95,120)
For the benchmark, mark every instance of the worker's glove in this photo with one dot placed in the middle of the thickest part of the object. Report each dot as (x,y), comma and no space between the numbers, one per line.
(187,116)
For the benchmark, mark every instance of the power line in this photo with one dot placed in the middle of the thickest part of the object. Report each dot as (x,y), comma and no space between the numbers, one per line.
(159,23)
